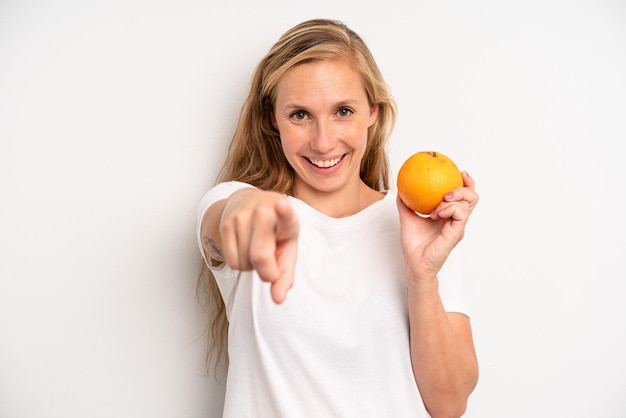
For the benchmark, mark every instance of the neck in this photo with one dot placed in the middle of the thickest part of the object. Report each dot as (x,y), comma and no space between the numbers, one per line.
(339,204)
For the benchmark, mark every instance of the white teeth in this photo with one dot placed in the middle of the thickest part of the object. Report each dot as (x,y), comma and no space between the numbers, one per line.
(326,163)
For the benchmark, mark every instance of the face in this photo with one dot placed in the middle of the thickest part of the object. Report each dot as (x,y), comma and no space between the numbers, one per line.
(322,113)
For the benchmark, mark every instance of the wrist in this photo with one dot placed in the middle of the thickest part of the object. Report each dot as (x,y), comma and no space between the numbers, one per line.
(423,284)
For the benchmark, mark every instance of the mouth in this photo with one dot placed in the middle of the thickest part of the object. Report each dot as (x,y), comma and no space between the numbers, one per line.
(326,163)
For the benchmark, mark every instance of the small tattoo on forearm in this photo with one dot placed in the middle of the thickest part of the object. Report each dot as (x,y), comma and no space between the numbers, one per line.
(211,249)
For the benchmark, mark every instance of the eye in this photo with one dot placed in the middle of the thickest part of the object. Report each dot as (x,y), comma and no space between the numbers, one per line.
(299,115)
(344,111)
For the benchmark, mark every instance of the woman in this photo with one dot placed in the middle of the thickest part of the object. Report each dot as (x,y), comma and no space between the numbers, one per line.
(333,293)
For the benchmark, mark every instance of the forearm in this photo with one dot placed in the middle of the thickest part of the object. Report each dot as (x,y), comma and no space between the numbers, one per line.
(210,232)
(442,352)
(210,235)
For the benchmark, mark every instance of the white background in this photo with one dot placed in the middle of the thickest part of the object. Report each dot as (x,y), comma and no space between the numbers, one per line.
(114,118)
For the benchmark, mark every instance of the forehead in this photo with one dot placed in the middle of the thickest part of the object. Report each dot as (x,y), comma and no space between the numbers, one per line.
(322,77)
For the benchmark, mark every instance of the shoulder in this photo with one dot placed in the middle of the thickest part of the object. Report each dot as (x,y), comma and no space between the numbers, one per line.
(224,189)
(218,192)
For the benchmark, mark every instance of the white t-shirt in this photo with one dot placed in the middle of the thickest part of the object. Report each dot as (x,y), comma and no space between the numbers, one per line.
(339,344)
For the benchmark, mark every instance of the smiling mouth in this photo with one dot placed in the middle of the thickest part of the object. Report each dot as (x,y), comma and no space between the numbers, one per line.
(326,163)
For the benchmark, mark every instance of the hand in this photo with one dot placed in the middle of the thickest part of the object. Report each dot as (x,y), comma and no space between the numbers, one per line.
(427,242)
(259,231)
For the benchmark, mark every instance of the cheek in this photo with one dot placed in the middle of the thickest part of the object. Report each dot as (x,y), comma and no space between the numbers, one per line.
(358,136)
(289,146)
(291,140)
(286,148)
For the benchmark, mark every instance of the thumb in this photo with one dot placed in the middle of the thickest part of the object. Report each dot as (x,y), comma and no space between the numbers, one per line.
(279,288)
(403,210)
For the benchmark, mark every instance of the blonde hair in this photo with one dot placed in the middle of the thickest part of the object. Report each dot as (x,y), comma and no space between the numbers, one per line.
(255,154)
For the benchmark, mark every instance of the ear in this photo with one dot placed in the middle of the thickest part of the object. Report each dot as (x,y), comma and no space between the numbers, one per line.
(373,115)
(273,120)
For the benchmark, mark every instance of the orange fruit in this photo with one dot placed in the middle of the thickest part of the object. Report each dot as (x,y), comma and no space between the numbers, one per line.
(424,178)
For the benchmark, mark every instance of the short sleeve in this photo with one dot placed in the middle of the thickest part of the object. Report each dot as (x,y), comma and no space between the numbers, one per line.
(452,283)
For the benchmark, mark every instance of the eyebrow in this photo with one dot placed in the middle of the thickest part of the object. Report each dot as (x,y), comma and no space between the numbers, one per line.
(349,102)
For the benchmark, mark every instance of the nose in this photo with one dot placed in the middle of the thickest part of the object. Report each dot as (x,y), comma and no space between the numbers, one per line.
(324,137)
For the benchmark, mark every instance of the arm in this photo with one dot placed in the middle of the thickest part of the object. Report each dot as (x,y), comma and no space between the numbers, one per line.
(253,230)
(210,235)
(442,349)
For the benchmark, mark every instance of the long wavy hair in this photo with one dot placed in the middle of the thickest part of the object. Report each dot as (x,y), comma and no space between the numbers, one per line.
(255,154)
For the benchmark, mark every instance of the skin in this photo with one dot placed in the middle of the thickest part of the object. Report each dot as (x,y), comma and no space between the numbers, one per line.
(322,114)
